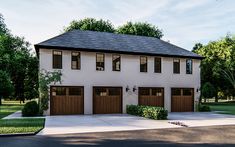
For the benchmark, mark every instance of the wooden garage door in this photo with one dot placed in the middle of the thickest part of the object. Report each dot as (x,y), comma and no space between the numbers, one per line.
(151,96)
(107,100)
(66,100)
(182,100)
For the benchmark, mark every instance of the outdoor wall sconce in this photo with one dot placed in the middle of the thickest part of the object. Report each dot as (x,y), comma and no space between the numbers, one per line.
(127,88)
(198,89)
(134,88)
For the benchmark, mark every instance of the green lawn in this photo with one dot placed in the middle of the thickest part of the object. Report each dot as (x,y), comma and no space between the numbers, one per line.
(225,107)
(24,125)
(7,108)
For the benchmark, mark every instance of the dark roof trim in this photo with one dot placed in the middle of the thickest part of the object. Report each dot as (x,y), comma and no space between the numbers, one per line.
(37,47)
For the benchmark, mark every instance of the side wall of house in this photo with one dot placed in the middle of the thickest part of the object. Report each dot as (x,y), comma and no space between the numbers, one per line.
(129,75)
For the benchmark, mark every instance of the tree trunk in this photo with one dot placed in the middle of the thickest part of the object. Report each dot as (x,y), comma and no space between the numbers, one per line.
(216,99)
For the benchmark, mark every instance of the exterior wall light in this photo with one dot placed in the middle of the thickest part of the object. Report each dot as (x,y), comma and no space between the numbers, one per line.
(127,88)
(134,88)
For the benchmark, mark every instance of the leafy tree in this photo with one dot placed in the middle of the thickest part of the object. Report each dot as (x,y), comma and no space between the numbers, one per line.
(219,55)
(46,78)
(6,87)
(197,46)
(91,24)
(142,29)
(3,28)
(21,65)
(208,91)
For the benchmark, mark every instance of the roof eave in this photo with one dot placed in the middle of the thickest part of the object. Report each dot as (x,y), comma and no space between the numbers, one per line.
(38,46)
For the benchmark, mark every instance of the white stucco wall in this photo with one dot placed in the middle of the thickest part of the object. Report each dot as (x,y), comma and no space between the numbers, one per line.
(129,75)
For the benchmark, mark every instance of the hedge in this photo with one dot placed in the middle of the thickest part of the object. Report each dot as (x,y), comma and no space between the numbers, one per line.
(30,109)
(158,113)
(204,108)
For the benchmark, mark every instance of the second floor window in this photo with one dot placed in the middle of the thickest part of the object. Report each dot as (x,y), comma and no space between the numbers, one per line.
(189,66)
(116,62)
(176,66)
(157,65)
(143,64)
(57,59)
(100,61)
(75,60)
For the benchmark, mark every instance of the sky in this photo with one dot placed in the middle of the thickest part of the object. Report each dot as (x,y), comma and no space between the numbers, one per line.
(183,22)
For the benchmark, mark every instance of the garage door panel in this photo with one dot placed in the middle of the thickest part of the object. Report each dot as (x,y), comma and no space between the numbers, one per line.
(182,100)
(107,100)
(151,96)
(66,102)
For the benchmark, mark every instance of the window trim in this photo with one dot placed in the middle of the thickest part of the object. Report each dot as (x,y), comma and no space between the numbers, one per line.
(191,66)
(120,62)
(155,64)
(173,66)
(146,64)
(96,62)
(79,61)
(53,59)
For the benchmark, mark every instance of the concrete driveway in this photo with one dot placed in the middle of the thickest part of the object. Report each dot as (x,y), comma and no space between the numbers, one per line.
(125,122)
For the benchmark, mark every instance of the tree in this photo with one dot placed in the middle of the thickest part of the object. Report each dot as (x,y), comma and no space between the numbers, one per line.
(142,29)
(197,46)
(208,91)
(91,24)
(46,78)
(219,55)
(20,64)
(3,28)
(6,87)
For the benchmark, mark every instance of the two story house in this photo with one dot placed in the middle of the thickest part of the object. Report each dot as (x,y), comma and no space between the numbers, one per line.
(103,72)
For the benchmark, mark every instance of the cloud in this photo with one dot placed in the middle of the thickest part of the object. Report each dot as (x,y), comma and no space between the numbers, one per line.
(184,22)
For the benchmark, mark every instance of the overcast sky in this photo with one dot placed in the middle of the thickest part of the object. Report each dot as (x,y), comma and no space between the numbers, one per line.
(184,22)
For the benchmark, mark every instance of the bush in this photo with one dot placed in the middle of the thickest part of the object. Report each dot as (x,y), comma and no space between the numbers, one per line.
(204,108)
(30,109)
(151,112)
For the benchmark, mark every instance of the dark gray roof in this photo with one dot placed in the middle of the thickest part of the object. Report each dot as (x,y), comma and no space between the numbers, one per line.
(111,42)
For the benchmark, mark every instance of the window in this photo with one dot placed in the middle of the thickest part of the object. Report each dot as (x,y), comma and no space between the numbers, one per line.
(58,91)
(187,92)
(143,64)
(114,91)
(75,60)
(144,91)
(101,92)
(100,62)
(157,91)
(176,66)
(116,63)
(75,91)
(176,91)
(57,59)
(157,65)
(189,66)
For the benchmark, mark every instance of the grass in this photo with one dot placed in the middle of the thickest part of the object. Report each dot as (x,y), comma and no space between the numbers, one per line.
(9,107)
(22,125)
(26,125)
(224,107)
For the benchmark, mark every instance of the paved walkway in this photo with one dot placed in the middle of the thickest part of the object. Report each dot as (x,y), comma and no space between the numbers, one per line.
(124,122)
(18,115)
(100,123)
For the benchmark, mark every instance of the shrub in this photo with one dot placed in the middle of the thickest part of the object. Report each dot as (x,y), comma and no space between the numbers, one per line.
(30,109)
(151,112)
(204,108)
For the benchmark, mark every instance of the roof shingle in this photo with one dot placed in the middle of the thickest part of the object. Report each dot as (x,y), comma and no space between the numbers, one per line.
(111,42)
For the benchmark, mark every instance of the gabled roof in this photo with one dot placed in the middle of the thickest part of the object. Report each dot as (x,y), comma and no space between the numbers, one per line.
(93,41)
